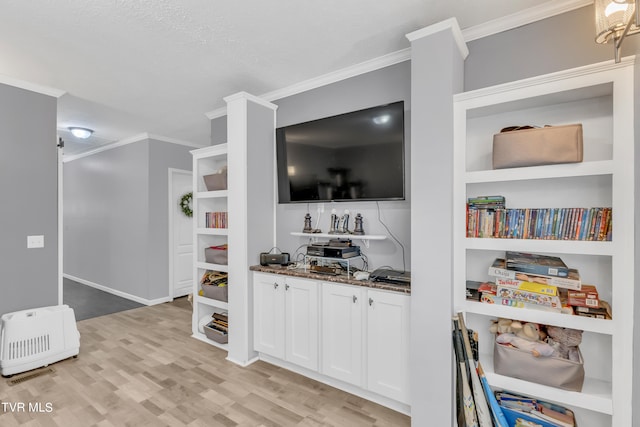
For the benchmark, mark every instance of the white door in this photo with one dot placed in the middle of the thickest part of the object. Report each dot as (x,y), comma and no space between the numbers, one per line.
(301,307)
(181,237)
(388,344)
(342,332)
(268,319)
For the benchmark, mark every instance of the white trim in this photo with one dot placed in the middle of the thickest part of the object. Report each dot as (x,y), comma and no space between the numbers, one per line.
(171,173)
(118,293)
(244,364)
(509,22)
(60,152)
(33,87)
(174,141)
(136,138)
(247,96)
(518,19)
(447,24)
(326,79)
(548,78)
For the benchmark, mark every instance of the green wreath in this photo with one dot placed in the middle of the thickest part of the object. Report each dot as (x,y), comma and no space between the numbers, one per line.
(185,204)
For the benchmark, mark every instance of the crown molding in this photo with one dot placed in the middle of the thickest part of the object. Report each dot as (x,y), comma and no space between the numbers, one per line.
(33,87)
(509,22)
(447,24)
(333,77)
(132,139)
(518,19)
(247,96)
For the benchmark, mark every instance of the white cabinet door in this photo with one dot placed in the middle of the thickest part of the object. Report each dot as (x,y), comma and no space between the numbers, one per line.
(269,315)
(301,326)
(388,344)
(342,337)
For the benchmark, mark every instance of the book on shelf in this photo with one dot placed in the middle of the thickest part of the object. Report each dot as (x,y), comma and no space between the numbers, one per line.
(529,263)
(524,285)
(529,297)
(216,219)
(587,296)
(536,411)
(492,221)
(499,269)
(518,303)
(603,311)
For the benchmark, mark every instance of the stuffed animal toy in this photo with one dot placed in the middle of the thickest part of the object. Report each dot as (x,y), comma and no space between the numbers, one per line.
(565,342)
(537,348)
(504,326)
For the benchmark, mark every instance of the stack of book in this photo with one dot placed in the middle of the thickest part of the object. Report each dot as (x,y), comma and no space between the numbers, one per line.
(531,281)
(487,216)
(525,411)
(220,323)
(216,219)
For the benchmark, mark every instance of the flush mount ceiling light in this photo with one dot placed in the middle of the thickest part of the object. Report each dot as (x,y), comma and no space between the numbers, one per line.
(82,133)
(616,19)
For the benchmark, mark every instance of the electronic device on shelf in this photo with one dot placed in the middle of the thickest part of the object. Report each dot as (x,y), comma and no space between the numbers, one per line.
(330,251)
(267,258)
(388,275)
(358,155)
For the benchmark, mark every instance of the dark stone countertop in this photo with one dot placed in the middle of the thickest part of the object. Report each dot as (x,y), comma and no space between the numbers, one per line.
(299,272)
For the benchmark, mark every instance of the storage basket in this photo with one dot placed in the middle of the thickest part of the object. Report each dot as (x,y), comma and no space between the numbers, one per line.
(220,293)
(216,181)
(216,254)
(537,146)
(552,371)
(215,334)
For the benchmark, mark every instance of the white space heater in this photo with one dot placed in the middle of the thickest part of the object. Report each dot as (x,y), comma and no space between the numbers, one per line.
(31,339)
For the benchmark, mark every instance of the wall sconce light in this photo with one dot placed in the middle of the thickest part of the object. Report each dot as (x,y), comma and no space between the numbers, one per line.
(616,19)
(82,133)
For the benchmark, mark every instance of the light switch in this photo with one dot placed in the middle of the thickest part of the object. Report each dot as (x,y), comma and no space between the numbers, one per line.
(35,242)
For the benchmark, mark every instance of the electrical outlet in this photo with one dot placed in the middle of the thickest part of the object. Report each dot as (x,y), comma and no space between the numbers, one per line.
(35,242)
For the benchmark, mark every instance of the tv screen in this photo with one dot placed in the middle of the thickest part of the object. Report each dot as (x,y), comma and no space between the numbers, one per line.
(352,156)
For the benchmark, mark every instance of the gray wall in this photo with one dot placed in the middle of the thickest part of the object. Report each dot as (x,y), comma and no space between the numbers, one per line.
(162,156)
(382,86)
(116,217)
(433,85)
(28,187)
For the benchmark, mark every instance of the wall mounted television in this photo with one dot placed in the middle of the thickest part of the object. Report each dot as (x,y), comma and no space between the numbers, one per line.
(354,156)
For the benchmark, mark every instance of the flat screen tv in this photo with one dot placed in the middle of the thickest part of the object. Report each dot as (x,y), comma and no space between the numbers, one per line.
(348,157)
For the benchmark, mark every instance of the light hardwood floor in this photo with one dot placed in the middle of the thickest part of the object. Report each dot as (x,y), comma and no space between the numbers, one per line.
(141,368)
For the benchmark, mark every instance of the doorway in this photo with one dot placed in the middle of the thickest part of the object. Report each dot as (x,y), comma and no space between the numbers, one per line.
(180,235)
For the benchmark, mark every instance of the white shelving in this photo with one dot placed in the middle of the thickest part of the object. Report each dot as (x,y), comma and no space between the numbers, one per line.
(341,236)
(600,97)
(207,161)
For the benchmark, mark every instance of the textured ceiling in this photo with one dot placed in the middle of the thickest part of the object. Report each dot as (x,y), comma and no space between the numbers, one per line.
(157,66)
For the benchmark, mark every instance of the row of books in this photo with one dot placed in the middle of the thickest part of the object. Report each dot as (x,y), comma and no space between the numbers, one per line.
(533,281)
(216,219)
(478,405)
(592,224)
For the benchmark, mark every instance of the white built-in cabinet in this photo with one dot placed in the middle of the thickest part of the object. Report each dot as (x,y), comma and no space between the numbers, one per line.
(286,318)
(365,338)
(207,161)
(354,334)
(599,96)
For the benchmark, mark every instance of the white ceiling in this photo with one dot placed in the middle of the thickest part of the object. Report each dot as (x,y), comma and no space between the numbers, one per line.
(157,66)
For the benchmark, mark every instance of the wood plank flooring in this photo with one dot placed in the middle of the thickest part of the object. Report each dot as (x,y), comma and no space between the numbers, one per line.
(141,368)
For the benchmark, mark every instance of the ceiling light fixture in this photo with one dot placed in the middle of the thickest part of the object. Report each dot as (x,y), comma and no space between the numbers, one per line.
(616,19)
(82,133)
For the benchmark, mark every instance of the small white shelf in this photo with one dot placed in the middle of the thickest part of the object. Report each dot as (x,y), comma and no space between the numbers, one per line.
(211,302)
(340,236)
(210,266)
(583,247)
(600,326)
(213,231)
(203,337)
(602,167)
(212,194)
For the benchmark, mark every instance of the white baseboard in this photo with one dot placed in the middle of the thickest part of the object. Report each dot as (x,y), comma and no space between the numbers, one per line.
(349,388)
(244,364)
(118,293)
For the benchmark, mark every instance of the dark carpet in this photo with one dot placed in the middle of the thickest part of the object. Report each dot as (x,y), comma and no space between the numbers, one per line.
(88,302)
